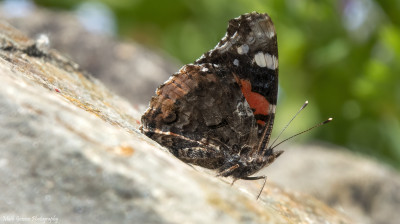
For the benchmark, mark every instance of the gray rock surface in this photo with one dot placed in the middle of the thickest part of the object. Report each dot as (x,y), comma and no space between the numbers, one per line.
(128,69)
(71,153)
(364,189)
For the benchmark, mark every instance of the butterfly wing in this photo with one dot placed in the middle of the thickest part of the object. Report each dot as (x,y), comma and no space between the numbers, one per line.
(201,111)
(249,49)
(220,105)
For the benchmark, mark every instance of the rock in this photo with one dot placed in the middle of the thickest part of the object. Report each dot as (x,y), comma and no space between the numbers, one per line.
(128,69)
(364,189)
(71,151)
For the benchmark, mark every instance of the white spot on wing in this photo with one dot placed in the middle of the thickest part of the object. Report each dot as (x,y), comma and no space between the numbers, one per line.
(272,109)
(225,46)
(260,34)
(271,33)
(204,69)
(271,61)
(227,42)
(235,35)
(243,109)
(236,62)
(260,60)
(243,49)
(201,57)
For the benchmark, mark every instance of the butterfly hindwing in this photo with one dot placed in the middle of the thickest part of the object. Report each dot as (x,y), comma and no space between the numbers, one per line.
(203,105)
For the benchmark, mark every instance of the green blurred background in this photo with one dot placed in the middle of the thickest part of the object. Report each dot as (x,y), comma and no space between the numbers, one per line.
(341,55)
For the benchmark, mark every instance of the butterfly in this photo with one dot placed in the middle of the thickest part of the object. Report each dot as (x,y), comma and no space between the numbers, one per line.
(219,112)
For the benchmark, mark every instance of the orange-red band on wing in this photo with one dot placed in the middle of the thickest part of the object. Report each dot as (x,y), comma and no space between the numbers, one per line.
(257,102)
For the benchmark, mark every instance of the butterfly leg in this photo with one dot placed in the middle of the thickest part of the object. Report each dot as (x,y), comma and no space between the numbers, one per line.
(257,178)
(234,180)
(228,171)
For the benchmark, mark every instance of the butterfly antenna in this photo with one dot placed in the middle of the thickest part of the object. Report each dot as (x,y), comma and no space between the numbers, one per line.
(322,123)
(287,125)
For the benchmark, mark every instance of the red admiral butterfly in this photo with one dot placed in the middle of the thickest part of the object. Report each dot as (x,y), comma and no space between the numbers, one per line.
(218,112)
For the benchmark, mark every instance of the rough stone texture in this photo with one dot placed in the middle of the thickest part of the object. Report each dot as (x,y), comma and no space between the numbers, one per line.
(71,151)
(362,188)
(128,69)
